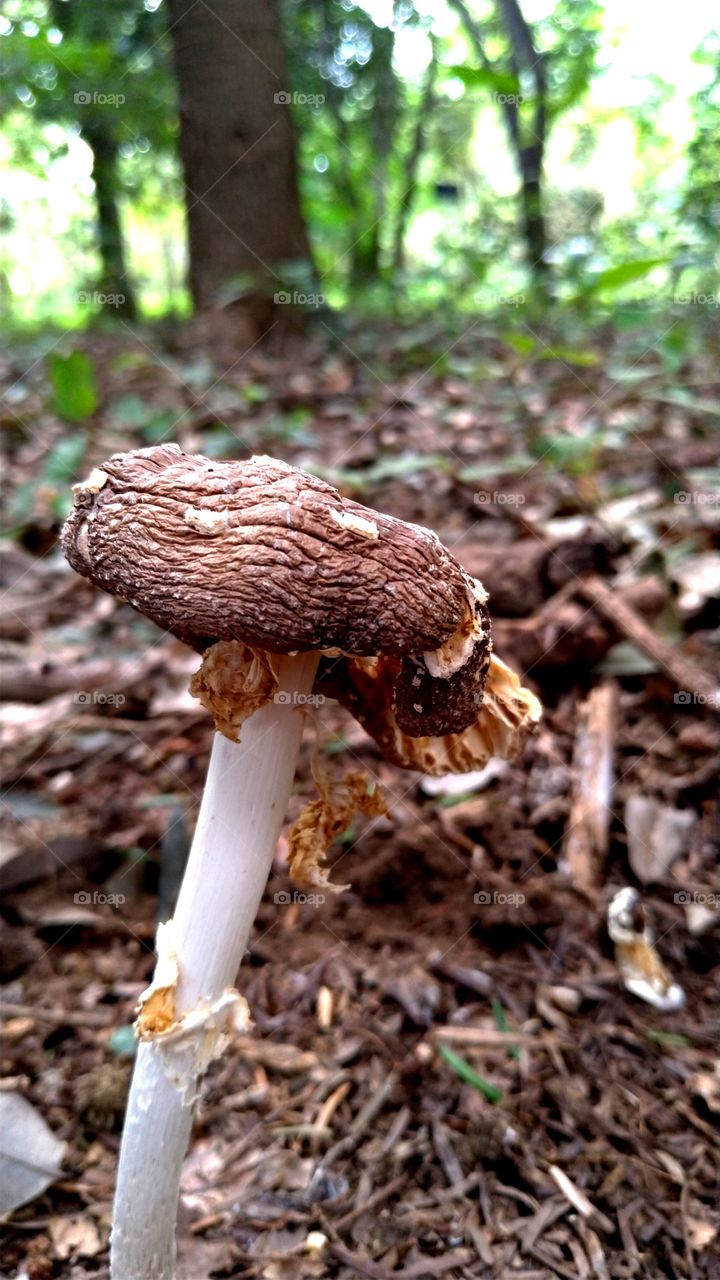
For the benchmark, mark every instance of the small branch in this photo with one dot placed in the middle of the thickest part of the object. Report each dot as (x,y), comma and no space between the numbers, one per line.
(58,1016)
(688,677)
(586,842)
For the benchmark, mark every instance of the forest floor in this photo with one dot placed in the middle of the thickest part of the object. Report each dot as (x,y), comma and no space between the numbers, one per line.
(446,1075)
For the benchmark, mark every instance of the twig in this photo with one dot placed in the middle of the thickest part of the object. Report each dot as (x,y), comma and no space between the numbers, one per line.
(579,1200)
(688,677)
(57,1015)
(446,1155)
(588,829)
(372,1202)
(373,1106)
(487,1037)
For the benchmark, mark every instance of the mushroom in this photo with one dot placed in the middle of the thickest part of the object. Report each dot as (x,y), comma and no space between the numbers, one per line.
(285,587)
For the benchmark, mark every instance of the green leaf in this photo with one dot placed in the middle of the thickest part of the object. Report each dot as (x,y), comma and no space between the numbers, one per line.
(523,343)
(406,464)
(254,392)
(668,1038)
(571,355)
(623,273)
(624,659)
(461,797)
(502,1025)
(463,1069)
(500,467)
(685,400)
(73,382)
(486,78)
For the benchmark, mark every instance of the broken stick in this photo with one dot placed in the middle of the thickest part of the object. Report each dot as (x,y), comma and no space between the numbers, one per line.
(686,674)
(586,840)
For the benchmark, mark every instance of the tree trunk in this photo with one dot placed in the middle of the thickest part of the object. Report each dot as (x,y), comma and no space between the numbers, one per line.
(529,156)
(412,163)
(115,284)
(238,152)
(87,21)
(533,218)
(383,123)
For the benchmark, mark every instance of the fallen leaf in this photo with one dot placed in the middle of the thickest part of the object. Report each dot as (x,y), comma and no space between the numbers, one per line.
(30,1154)
(656,835)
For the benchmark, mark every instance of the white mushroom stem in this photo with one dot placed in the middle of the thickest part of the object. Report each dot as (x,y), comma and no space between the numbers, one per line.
(242,811)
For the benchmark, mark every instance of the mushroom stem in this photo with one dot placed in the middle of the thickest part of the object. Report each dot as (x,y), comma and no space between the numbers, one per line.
(242,811)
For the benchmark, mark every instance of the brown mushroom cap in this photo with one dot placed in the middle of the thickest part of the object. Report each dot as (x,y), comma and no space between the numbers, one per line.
(260,552)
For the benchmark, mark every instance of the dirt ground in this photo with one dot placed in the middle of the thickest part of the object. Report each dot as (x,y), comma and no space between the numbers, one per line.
(447,1075)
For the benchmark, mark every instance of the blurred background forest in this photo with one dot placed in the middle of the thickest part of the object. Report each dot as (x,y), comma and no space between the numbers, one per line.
(460,258)
(454,156)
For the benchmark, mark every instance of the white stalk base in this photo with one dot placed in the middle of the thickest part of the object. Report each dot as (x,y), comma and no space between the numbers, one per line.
(241,815)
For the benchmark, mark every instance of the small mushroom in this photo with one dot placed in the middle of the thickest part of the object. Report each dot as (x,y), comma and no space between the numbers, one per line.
(285,587)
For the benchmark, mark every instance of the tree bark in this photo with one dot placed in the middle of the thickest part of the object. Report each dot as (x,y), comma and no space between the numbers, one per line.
(530,154)
(238,151)
(87,21)
(383,123)
(115,282)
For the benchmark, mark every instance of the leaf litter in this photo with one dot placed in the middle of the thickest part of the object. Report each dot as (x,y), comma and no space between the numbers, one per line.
(446,1075)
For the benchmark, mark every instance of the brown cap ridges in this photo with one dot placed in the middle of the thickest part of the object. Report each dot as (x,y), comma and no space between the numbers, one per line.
(263,553)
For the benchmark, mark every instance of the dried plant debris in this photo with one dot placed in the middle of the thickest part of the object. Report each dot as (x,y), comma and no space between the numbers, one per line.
(642,970)
(30,1154)
(336,1114)
(325,818)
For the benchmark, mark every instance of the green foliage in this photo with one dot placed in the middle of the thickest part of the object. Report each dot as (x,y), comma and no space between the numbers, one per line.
(624,273)
(468,1075)
(404,162)
(701,196)
(72,378)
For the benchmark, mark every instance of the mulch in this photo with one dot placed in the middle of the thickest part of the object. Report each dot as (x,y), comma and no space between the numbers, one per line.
(446,1075)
